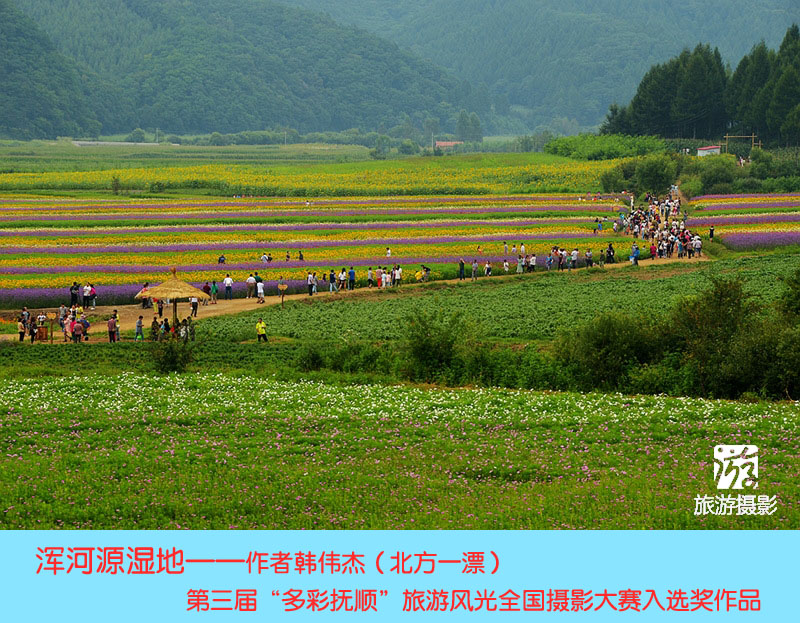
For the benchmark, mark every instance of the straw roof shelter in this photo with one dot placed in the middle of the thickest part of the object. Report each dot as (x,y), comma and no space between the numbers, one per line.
(173,289)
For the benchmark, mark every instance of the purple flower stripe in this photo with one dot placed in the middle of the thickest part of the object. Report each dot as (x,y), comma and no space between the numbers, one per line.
(256,266)
(313,244)
(741,241)
(299,203)
(754,219)
(588,207)
(745,196)
(288,227)
(120,294)
(750,206)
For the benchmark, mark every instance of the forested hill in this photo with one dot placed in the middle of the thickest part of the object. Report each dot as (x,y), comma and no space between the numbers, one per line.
(40,90)
(230,65)
(570,58)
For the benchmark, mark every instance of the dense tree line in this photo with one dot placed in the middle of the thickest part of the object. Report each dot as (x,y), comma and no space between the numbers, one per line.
(693,95)
(233,65)
(41,94)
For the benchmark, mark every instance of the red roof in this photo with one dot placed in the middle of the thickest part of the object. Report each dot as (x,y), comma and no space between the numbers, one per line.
(448,143)
(709,147)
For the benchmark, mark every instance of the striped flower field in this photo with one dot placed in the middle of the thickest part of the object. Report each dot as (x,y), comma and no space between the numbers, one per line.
(117,245)
(750,222)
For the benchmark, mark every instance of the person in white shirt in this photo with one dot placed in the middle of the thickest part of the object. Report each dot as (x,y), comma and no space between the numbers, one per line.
(251,286)
(228,283)
(260,291)
(398,275)
(264,258)
(522,249)
(574,258)
(388,252)
(505,266)
(87,295)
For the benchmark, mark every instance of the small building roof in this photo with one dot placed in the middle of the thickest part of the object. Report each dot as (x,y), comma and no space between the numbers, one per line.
(709,147)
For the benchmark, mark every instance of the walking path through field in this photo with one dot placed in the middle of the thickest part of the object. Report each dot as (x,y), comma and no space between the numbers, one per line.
(128,314)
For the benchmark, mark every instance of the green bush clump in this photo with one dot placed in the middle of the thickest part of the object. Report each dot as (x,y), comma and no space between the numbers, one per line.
(171,355)
(604,146)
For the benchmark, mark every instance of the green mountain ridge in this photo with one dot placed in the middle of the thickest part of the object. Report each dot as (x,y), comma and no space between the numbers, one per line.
(543,60)
(41,94)
(230,65)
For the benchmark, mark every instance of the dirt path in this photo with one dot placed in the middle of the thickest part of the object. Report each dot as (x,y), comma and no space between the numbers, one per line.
(128,314)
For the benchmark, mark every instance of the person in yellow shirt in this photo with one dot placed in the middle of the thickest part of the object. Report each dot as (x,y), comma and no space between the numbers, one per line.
(261,330)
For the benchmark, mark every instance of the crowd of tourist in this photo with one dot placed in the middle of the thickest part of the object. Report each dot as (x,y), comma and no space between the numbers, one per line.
(659,227)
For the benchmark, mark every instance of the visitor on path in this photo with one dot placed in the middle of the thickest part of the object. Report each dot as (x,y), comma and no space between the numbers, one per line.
(589,258)
(112,329)
(21,328)
(505,266)
(76,330)
(399,276)
(300,257)
(332,279)
(251,285)
(139,335)
(87,295)
(388,252)
(207,289)
(610,253)
(194,303)
(214,292)
(260,291)
(474,270)
(505,248)
(461,267)
(93,295)
(73,293)
(520,264)
(711,234)
(145,299)
(228,283)
(532,263)
(309,284)
(261,330)
(155,329)
(369,276)
(351,279)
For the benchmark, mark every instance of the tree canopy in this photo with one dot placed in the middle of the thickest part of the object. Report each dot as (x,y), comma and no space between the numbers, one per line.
(693,95)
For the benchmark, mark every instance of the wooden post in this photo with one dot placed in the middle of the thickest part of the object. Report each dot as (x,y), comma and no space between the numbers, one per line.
(52,317)
(282,287)
(174,312)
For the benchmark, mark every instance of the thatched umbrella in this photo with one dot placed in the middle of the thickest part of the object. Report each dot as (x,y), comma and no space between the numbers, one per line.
(173,289)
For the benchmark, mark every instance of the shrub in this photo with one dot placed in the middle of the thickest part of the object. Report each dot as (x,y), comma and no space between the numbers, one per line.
(171,355)
(692,186)
(602,351)
(717,170)
(655,173)
(432,343)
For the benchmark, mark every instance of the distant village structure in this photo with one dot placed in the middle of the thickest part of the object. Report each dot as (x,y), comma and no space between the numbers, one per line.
(710,150)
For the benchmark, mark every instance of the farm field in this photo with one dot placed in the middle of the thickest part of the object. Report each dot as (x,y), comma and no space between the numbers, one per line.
(118,244)
(214,451)
(326,426)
